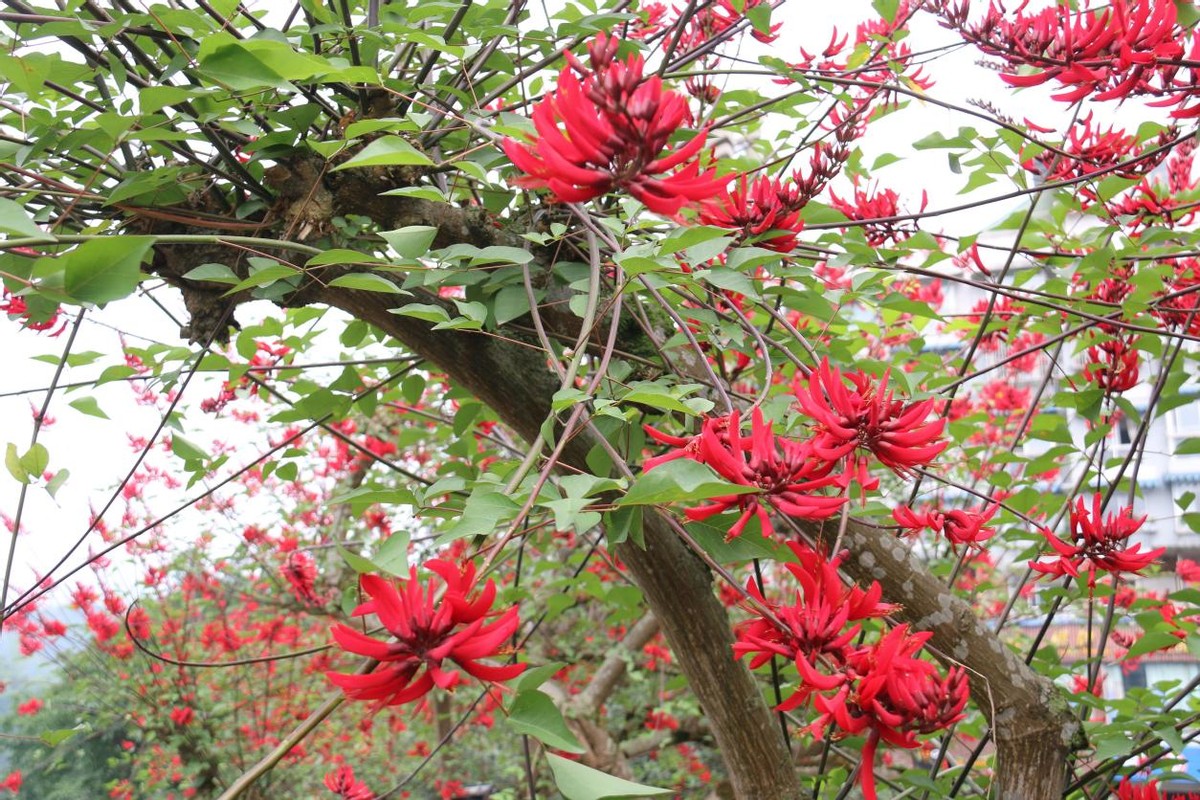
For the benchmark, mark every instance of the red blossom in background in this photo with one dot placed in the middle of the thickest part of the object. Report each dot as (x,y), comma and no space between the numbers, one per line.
(12,782)
(1113,364)
(30,707)
(300,571)
(17,308)
(1097,544)
(182,715)
(341,782)
(615,126)
(1187,570)
(864,418)
(783,471)
(429,631)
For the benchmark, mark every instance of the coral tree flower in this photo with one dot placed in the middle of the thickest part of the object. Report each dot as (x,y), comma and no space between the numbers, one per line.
(765,209)
(429,632)
(820,626)
(783,470)
(607,129)
(342,783)
(960,526)
(862,418)
(1097,544)
(881,690)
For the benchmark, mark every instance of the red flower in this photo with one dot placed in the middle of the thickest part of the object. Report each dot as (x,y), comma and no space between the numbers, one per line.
(819,627)
(428,631)
(1187,570)
(892,696)
(1113,365)
(874,209)
(182,715)
(783,470)
(615,125)
(1138,791)
(300,571)
(766,211)
(959,526)
(342,783)
(867,418)
(12,782)
(1097,544)
(29,708)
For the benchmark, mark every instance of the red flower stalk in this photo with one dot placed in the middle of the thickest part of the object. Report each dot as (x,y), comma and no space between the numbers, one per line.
(615,125)
(766,211)
(866,417)
(429,631)
(1113,365)
(819,627)
(342,783)
(783,470)
(1098,544)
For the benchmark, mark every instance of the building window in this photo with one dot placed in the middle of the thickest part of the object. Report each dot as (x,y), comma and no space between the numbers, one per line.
(1184,422)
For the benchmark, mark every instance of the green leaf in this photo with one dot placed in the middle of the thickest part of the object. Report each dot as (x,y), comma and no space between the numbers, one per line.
(1151,641)
(577,782)
(264,276)
(13,462)
(412,241)
(1188,447)
(366,282)
(485,509)
(392,555)
(214,273)
(681,480)
(363,566)
(532,678)
(106,269)
(56,483)
(425,311)
(187,450)
(533,713)
(36,460)
(387,151)
(13,219)
(57,737)
(89,406)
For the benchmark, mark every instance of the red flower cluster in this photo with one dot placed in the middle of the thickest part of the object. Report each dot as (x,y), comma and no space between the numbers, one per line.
(1092,150)
(1113,364)
(783,470)
(1004,310)
(1126,48)
(17,308)
(1098,544)
(429,631)
(1179,305)
(881,690)
(852,422)
(766,211)
(959,526)
(875,209)
(615,126)
(342,783)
